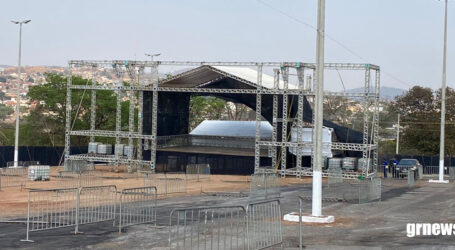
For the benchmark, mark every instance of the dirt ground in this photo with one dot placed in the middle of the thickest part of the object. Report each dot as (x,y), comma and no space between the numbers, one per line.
(374,225)
(13,200)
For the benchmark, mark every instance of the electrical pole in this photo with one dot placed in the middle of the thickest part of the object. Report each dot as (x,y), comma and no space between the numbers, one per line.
(398,135)
(318,100)
(18,97)
(443,103)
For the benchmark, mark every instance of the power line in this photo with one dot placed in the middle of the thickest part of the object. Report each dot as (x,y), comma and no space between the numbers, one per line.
(332,39)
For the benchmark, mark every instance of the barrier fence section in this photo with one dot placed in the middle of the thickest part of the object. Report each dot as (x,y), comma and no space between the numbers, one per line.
(21,164)
(70,179)
(96,204)
(369,190)
(301,199)
(77,165)
(137,206)
(51,209)
(208,228)
(197,171)
(13,177)
(411,178)
(434,170)
(165,184)
(265,186)
(264,224)
(334,175)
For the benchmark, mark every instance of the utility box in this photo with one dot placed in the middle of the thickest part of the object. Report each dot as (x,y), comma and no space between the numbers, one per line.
(39,173)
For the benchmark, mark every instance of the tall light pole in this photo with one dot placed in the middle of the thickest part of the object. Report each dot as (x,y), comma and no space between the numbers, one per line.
(398,136)
(443,103)
(318,100)
(152,55)
(18,97)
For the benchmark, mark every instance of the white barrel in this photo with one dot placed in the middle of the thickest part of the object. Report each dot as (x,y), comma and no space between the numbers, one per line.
(92,147)
(350,163)
(128,151)
(119,149)
(104,149)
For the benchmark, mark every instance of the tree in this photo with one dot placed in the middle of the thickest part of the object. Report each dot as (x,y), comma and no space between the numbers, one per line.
(205,108)
(46,123)
(420,117)
(338,109)
(5,111)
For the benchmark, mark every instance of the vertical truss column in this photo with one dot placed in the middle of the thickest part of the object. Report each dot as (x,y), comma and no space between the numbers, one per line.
(93,110)
(68,112)
(131,69)
(284,134)
(366,105)
(140,109)
(153,138)
(257,147)
(93,105)
(300,74)
(118,118)
(376,119)
(276,80)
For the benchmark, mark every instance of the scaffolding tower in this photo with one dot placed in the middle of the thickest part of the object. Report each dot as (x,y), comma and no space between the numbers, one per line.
(282,122)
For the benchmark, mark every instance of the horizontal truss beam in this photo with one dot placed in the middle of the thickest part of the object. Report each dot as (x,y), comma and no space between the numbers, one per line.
(213,90)
(347,66)
(105,133)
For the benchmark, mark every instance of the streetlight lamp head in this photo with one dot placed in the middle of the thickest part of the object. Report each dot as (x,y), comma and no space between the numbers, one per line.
(15,22)
(27,21)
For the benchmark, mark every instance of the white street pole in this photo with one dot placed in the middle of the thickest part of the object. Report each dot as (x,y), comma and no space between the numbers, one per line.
(18,97)
(398,136)
(318,100)
(443,100)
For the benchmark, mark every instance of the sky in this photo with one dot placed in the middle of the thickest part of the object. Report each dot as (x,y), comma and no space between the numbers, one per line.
(403,37)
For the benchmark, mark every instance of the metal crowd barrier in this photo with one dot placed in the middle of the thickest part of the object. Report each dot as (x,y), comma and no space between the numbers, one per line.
(165,184)
(77,165)
(256,226)
(21,164)
(334,175)
(208,228)
(265,186)
(96,204)
(369,190)
(300,222)
(411,178)
(13,177)
(197,171)
(51,209)
(70,179)
(137,206)
(56,208)
(434,170)
(264,224)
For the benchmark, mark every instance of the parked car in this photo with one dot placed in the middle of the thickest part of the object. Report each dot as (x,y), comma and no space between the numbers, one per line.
(404,165)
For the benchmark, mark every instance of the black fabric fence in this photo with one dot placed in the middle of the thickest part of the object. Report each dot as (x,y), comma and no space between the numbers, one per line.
(45,155)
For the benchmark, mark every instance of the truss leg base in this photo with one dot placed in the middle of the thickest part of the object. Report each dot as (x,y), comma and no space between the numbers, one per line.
(306,218)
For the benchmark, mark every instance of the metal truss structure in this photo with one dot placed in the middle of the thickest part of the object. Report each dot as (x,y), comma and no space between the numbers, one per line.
(282,121)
